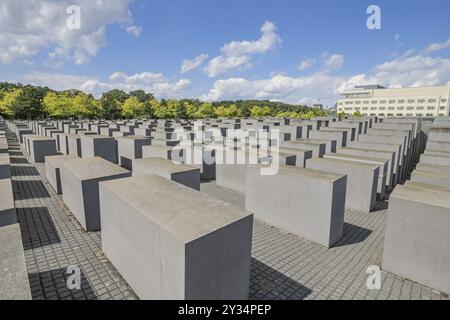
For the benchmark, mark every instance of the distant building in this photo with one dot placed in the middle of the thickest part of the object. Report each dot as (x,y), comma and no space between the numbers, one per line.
(318,106)
(375,100)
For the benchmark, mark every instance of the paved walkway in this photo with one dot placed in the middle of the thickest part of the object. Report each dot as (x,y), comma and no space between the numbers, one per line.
(284,266)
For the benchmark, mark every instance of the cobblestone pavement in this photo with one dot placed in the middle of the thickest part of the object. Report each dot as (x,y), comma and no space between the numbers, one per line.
(284,266)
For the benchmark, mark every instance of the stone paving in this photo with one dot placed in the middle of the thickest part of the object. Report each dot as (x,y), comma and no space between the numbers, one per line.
(284,266)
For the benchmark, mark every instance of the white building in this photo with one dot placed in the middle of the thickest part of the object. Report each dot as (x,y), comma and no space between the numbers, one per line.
(375,100)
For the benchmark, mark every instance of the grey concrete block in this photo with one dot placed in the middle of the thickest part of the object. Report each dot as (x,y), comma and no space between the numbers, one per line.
(418,236)
(8,213)
(79,182)
(13,269)
(307,203)
(383,185)
(171,242)
(185,174)
(5,166)
(52,170)
(301,155)
(99,146)
(40,147)
(362,180)
(130,148)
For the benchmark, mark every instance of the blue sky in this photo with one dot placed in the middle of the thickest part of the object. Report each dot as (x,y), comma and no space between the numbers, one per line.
(293,51)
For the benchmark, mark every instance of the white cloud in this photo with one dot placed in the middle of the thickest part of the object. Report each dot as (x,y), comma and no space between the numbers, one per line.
(333,61)
(28,26)
(437,46)
(148,81)
(306,64)
(135,31)
(238,54)
(406,71)
(189,65)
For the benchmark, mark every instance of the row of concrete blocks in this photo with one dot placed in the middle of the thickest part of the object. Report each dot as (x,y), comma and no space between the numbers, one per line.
(13,270)
(374,164)
(168,240)
(417,237)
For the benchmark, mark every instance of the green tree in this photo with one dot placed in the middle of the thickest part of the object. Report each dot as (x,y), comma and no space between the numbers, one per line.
(7,100)
(29,103)
(58,105)
(357,114)
(85,106)
(112,102)
(258,112)
(133,108)
(206,110)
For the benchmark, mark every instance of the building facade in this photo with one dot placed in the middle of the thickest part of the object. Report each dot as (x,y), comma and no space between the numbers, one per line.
(375,100)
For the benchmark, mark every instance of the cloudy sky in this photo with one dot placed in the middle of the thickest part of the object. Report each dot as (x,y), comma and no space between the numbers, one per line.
(282,50)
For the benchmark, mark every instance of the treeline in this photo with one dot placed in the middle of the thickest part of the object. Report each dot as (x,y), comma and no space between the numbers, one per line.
(34,102)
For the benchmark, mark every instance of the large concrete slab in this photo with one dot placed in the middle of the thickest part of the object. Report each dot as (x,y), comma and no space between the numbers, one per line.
(13,270)
(52,170)
(99,146)
(130,148)
(171,242)
(40,147)
(79,182)
(362,180)
(185,174)
(8,214)
(418,236)
(307,203)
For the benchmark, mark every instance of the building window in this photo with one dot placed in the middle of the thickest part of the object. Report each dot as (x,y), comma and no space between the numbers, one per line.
(420,108)
(382,108)
(391,108)
(383,101)
(430,108)
(374,101)
(373,108)
(442,108)
(400,108)
(365,108)
(411,101)
(410,108)
(443,100)
(366,101)
(401,101)
(357,102)
(392,101)
(431,100)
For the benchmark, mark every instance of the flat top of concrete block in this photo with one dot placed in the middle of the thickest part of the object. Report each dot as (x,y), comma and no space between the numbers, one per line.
(6,196)
(296,171)
(183,212)
(362,158)
(40,138)
(427,196)
(293,150)
(4,159)
(13,270)
(96,137)
(433,166)
(368,149)
(440,175)
(165,165)
(306,142)
(437,154)
(126,138)
(161,147)
(343,162)
(421,186)
(92,168)
(58,159)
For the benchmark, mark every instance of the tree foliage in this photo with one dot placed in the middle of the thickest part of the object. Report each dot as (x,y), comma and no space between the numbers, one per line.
(34,102)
